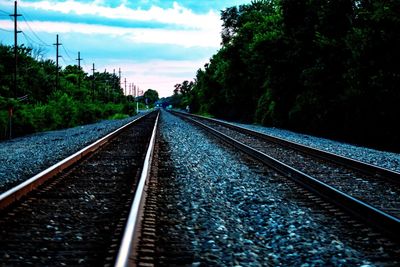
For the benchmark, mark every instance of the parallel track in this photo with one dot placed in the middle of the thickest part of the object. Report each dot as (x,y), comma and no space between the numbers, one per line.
(369,192)
(78,216)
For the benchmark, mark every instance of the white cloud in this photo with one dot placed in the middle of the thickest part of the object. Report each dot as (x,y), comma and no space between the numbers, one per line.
(177,15)
(191,30)
(185,38)
(160,75)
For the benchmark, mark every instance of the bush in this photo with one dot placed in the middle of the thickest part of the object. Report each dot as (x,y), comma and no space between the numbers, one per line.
(118,116)
(62,111)
(3,124)
(88,113)
(111,109)
(23,120)
(129,108)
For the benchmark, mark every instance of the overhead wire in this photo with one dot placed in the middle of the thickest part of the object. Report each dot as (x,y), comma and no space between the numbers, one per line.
(5,12)
(27,38)
(5,30)
(85,64)
(7,15)
(26,18)
(63,59)
(66,52)
(34,33)
(40,42)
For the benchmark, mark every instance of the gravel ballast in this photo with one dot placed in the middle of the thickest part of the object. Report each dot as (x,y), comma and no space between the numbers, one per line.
(388,160)
(234,211)
(24,157)
(239,213)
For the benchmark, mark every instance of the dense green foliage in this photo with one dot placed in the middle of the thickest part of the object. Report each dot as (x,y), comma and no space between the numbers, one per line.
(150,97)
(325,67)
(38,105)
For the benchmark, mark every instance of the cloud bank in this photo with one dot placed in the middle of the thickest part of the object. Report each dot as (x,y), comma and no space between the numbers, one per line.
(155,43)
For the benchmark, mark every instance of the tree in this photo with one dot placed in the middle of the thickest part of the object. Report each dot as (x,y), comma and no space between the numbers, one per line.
(325,67)
(38,106)
(150,96)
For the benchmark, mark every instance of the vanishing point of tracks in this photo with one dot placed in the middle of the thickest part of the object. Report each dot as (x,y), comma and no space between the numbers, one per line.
(78,217)
(369,192)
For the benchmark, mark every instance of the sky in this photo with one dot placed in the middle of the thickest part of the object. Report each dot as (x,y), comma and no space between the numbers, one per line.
(155,43)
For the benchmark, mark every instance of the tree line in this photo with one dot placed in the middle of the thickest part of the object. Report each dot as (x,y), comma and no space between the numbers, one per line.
(330,68)
(37,104)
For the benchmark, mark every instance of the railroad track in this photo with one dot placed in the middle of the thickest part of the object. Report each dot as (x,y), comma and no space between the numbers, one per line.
(83,210)
(369,192)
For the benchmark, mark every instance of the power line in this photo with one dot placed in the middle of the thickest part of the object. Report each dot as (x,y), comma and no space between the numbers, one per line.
(30,40)
(5,12)
(34,33)
(66,52)
(65,62)
(85,64)
(57,44)
(27,38)
(4,30)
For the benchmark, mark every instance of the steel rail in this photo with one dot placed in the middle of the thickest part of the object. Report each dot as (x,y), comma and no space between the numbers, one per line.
(130,236)
(364,167)
(15,193)
(358,208)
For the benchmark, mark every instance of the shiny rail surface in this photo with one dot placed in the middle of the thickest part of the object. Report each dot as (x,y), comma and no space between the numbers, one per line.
(130,237)
(386,222)
(78,216)
(15,193)
(364,167)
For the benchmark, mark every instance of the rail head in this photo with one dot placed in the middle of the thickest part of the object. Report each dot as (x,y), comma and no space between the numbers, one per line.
(390,175)
(360,209)
(130,236)
(15,193)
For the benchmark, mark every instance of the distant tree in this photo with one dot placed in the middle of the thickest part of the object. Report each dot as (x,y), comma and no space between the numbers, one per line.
(184,88)
(151,96)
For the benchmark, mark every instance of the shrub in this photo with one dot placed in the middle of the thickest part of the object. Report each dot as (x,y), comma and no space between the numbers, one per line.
(118,116)
(3,124)
(88,112)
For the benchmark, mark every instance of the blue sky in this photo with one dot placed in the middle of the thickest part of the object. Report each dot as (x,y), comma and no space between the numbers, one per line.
(155,43)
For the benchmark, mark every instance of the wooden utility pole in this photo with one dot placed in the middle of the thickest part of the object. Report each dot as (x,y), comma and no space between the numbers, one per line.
(93,69)
(114,85)
(79,59)
(57,44)
(15,86)
(125,87)
(79,67)
(15,15)
(119,77)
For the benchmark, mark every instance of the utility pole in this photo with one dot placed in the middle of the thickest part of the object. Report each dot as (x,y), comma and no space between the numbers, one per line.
(137,102)
(79,59)
(93,69)
(119,77)
(15,15)
(79,67)
(57,44)
(114,85)
(105,79)
(125,87)
(14,93)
